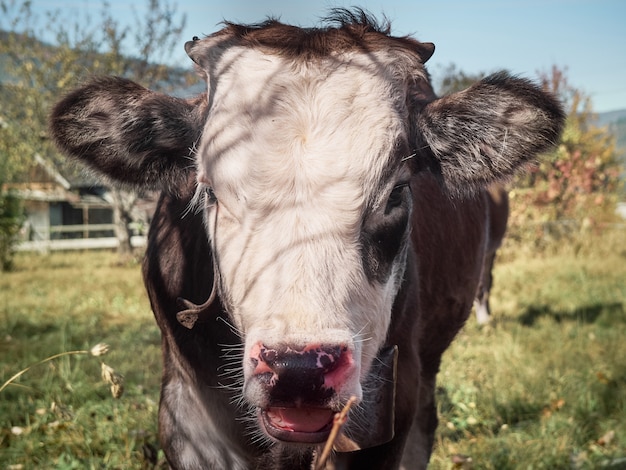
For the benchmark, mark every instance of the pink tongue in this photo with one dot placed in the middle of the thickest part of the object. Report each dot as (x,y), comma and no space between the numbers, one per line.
(300,419)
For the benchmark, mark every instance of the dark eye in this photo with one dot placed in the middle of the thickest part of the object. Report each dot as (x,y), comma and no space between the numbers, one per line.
(209,196)
(396,197)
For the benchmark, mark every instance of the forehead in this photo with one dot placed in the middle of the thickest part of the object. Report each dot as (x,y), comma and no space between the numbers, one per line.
(306,103)
(337,116)
(303,122)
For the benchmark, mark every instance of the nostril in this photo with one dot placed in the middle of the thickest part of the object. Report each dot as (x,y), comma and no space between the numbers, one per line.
(268,355)
(330,358)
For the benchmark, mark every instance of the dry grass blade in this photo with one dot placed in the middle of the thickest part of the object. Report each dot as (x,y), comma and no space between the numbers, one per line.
(339,420)
(23,371)
(99,349)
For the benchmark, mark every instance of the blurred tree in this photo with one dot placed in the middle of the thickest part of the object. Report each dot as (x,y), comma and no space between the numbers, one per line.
(11,211)
(578,181)
(452,80)
(574,186)
(11,219)
(34,74)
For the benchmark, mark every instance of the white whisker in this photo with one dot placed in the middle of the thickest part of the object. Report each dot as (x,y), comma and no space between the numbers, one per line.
(232,327)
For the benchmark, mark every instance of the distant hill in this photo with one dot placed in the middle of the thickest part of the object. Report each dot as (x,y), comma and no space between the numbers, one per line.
(616,122)
(611,117)
(619,130)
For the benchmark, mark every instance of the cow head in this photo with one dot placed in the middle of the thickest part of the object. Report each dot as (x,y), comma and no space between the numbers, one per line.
(304,148)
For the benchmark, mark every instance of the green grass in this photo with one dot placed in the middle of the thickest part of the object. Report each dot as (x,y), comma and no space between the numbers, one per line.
(544,386)
(61,414)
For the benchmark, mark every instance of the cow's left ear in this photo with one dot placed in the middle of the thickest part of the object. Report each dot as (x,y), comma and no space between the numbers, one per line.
(485,133)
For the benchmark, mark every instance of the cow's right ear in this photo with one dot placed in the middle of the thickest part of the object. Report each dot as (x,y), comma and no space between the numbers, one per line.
(128,133)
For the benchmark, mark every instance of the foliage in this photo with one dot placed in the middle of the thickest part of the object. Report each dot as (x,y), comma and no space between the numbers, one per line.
(452,80)
(11,219)
(573,188)
(580,179)
(11,211)
(36,73)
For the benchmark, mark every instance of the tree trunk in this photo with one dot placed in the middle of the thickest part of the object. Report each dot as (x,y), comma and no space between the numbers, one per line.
(123,202)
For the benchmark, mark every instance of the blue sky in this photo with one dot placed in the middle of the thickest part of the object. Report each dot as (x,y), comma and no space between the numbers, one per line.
(588,37)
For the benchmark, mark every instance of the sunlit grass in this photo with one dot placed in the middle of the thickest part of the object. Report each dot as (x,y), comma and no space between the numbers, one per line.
(61,414)
(541,387)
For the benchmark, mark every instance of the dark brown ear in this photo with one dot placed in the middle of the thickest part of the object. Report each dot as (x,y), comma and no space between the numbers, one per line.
(426,51)
(485,133)
(189,49)
(129,133)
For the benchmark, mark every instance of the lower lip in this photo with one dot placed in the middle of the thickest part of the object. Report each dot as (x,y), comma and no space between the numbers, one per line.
(287,431)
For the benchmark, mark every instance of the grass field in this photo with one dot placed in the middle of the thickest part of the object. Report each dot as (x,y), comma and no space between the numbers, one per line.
(544,386)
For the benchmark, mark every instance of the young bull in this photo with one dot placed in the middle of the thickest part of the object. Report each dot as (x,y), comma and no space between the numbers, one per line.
(339,214)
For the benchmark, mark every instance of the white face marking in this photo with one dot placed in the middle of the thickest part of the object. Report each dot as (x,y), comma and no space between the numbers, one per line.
(296,153)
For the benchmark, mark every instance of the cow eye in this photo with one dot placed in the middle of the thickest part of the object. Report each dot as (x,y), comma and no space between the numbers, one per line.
(209,196)
(396,197)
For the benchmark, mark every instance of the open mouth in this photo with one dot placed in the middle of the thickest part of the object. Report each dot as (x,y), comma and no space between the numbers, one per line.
(303,425)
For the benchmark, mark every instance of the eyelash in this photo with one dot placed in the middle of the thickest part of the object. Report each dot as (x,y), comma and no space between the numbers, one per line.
(395,197)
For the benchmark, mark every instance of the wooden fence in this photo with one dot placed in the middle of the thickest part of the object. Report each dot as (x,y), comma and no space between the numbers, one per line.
(77,237)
